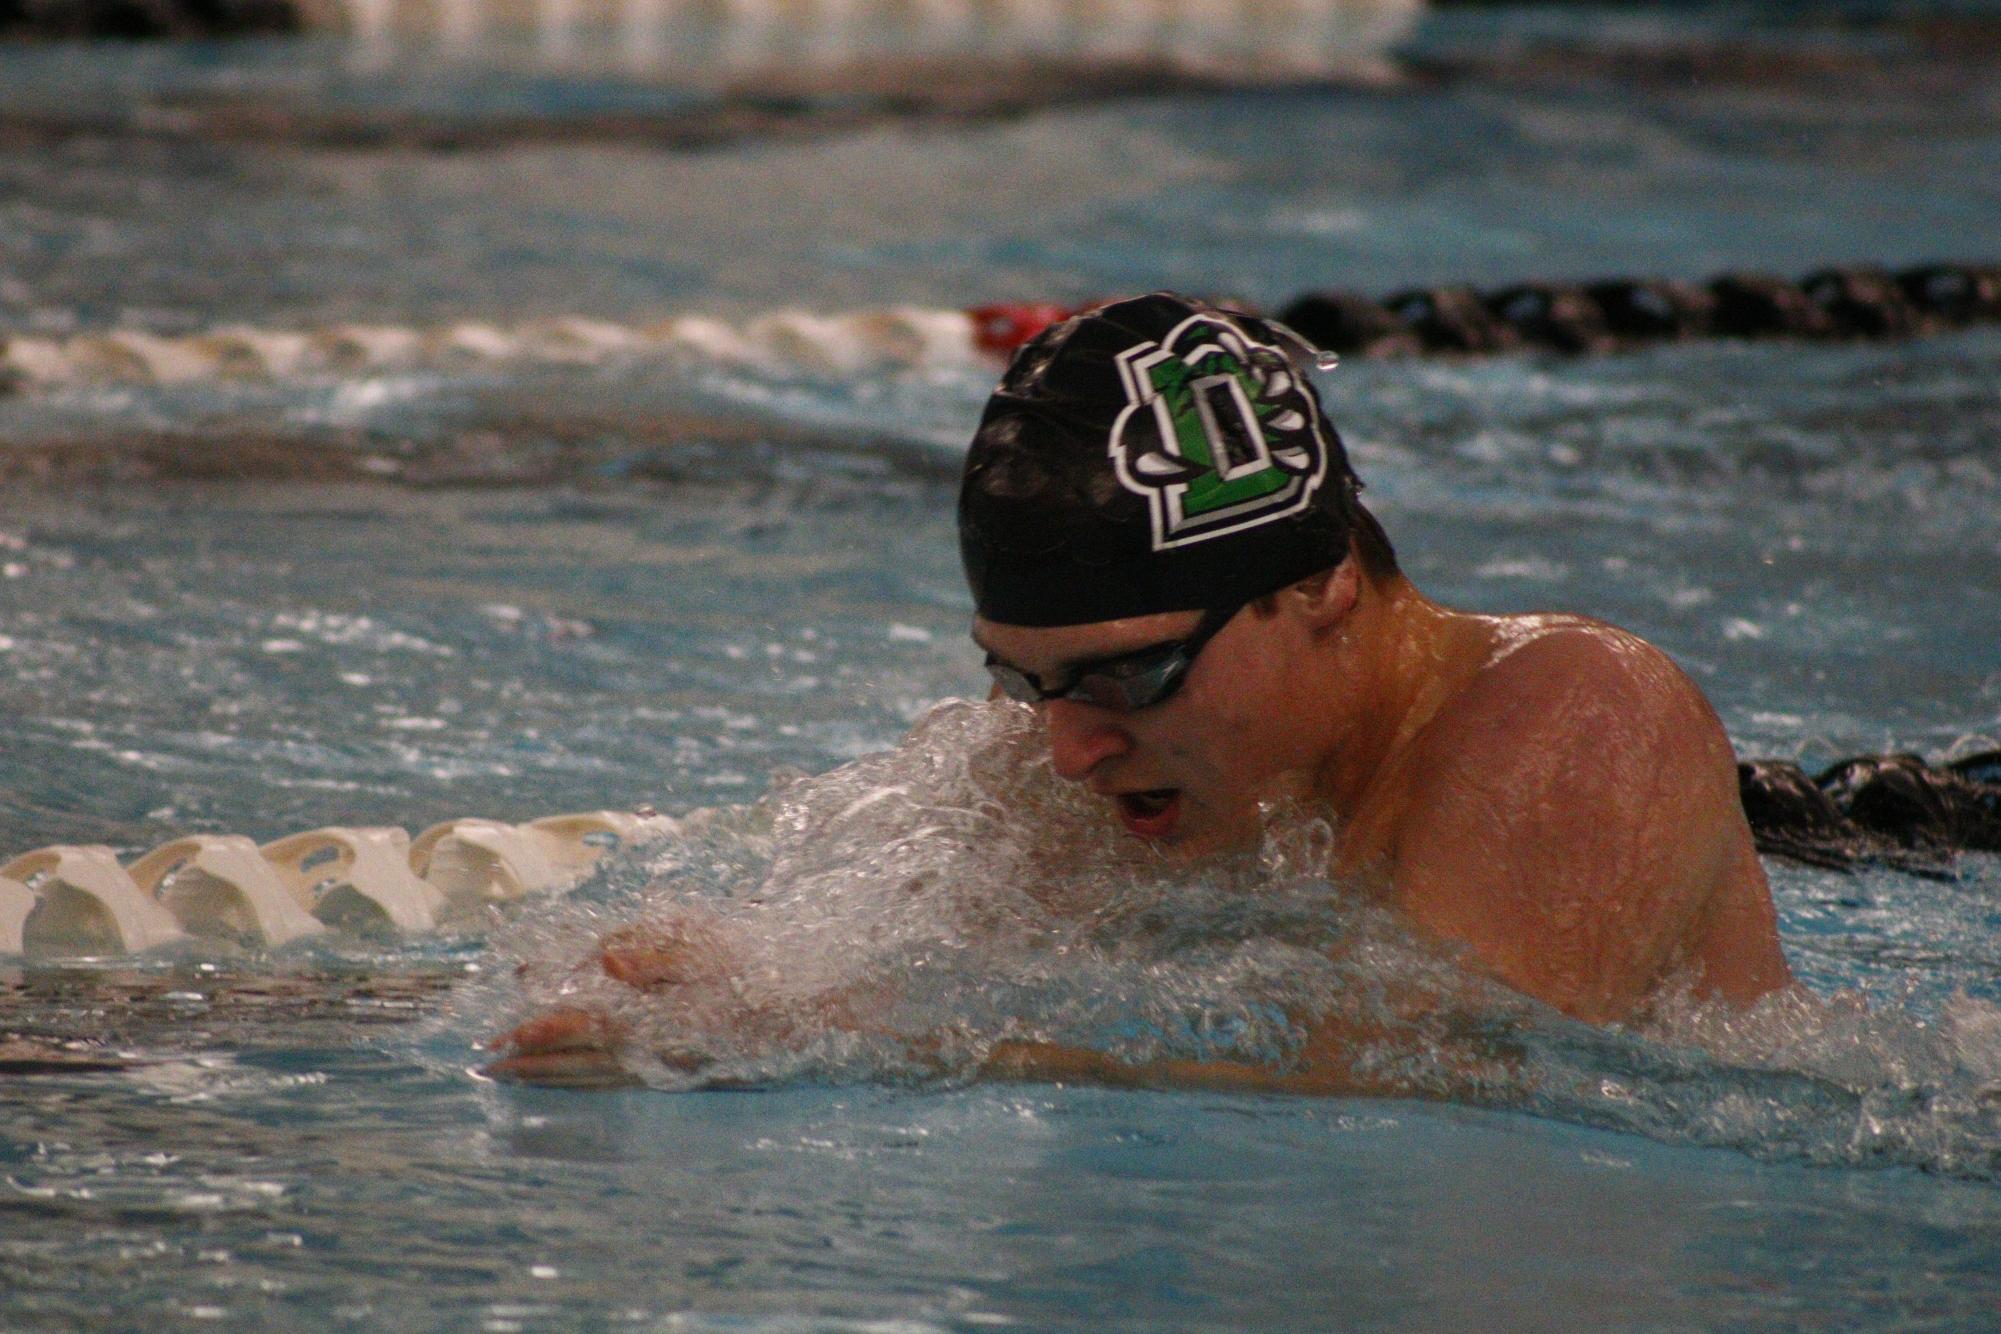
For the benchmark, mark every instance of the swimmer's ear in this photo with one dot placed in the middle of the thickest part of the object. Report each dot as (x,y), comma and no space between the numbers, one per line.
(1324,600)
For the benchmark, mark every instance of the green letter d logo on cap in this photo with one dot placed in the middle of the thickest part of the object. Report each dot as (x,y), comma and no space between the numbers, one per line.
(1237,440)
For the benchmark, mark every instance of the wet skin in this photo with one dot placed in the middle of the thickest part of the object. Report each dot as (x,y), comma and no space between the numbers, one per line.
(1548,794)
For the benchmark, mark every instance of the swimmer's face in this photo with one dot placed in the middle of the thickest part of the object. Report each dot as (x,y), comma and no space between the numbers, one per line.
(1187,773)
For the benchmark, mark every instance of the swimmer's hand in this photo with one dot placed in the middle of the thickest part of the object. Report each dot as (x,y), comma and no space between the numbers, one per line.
(575,1047)
(688,948)
(682,950)
(562,1049)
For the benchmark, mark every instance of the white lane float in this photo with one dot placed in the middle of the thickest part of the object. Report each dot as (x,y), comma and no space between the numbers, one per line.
(16,902)
(359,879)
(78,900)
(575,338)
(221,885)
(850,342)
(917,336)
(88,903)
(474,861)
(716,42)
(241,352)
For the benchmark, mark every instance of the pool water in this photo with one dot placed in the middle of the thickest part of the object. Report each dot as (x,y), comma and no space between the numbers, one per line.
(677,581)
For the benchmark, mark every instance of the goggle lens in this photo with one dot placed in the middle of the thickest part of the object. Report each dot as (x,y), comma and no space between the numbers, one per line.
(1122,684)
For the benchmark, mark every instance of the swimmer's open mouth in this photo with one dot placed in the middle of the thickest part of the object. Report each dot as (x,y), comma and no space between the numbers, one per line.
(1150,814)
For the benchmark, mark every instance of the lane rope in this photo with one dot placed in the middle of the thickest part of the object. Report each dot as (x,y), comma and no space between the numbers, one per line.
(1847,303)
(1889,810)
(70,900)
(1245,39)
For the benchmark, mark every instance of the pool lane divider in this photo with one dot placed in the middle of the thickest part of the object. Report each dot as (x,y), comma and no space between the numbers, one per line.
(67,901)
(1842,303)
(694,40)
(841,345)
(1875,810)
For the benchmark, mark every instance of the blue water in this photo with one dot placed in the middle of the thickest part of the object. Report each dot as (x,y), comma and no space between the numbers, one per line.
(667,581)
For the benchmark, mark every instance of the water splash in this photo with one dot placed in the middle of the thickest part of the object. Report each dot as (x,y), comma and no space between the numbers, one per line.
(899,916)
(1796,1077)
(903,913)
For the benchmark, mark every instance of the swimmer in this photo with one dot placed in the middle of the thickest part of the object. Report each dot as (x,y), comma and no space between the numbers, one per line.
(1169,562)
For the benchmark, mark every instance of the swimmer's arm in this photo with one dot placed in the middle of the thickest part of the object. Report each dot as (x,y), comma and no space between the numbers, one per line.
(577,1047)
(1342,1056)
(580,1049)
(1053,1063)
(1459,1039)
(566,1048)
(690,957)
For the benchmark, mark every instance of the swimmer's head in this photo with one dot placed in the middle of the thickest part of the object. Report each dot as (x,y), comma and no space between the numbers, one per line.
(1152,455)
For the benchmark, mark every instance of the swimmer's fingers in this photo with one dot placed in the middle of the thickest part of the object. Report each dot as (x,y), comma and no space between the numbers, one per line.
(559,1030)
(582,1069)
(564,1049)
(675,951)
(640,966)
(577,1049)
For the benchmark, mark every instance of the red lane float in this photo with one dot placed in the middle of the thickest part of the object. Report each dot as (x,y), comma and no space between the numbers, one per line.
(1005,325)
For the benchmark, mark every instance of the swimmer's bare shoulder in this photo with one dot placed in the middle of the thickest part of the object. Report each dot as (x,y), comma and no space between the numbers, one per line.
(1571,815)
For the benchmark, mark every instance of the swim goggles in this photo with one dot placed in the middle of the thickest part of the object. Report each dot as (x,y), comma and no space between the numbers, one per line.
(1123,682)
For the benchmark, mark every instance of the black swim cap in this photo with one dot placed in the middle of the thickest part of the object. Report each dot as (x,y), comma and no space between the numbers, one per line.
(1157,454)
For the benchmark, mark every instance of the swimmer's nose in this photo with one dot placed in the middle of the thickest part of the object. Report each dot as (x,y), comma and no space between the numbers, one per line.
(1081,737)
